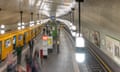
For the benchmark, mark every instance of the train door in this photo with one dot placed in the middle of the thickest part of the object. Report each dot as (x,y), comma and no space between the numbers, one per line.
(24,38)
(0,49)
(14,42)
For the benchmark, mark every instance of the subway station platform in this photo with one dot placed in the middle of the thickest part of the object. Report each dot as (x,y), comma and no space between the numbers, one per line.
(62,61)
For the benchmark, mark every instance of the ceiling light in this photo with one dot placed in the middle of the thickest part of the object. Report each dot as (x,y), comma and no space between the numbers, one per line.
(23,27)
(2,31)
(19,24)
(38,3)
(2,26)
(19,28)
(23,23)
(73,27)
(31,2)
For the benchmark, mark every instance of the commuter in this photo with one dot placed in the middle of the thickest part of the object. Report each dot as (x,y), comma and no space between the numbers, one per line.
(29,43)
(10,63)
(11,68)
(32,43)
(19,69)
(27,59)
(19,53)
(34,66)
(58,49)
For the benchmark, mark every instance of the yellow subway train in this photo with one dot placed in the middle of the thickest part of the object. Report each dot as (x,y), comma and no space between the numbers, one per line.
(10,41)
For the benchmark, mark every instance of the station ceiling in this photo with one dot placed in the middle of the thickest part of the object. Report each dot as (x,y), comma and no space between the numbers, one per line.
(10,9)
(98,15)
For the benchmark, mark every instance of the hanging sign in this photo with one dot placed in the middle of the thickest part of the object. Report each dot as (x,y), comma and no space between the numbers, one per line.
(50,42)
(44,37)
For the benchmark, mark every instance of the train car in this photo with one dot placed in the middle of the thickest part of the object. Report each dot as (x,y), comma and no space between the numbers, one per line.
(6,45)
(10,41)
(27,36)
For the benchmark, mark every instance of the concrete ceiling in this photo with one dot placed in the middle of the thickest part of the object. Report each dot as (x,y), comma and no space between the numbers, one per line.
(100,15)
(10,9)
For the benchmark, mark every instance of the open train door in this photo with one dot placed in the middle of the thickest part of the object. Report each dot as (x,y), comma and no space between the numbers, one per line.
(24,38)
(14,42)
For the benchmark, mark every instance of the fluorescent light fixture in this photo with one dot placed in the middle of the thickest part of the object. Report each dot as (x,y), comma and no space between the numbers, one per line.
(2,31)
(46,7)
(45,13)
(33,24)
(23,27)
(38,22)
(80,42)
(2,26)
(73,27)
(19,24)
(73,33)
(72,4)
(80,57)
(19,28)
(23,23)
(77,34)
(31,2)
(38,3)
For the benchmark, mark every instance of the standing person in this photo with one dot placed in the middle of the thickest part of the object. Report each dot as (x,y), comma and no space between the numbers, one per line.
(30,46)
(10,63)
(27,59)
(19,53)
(32,42)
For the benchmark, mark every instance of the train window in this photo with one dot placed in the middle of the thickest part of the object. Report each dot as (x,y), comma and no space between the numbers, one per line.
(14,40)
(20,37)
(7,43)
(26,33)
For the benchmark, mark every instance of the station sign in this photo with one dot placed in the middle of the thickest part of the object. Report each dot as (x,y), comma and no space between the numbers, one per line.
(50,42)
(44,37)
(52,17)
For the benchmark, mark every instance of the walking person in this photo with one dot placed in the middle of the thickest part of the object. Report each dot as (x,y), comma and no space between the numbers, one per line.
(31,45)
(27,59)
(19,53)
(10,63)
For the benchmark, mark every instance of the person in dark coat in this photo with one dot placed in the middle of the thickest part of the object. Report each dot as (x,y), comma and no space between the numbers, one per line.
(19,53)
(31,45)
(28,62)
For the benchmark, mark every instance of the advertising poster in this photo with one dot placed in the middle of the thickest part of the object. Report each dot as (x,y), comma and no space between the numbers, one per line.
(109,44)
(50,42)
(95,38)
(45,48)
(86,33)
(113,46)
